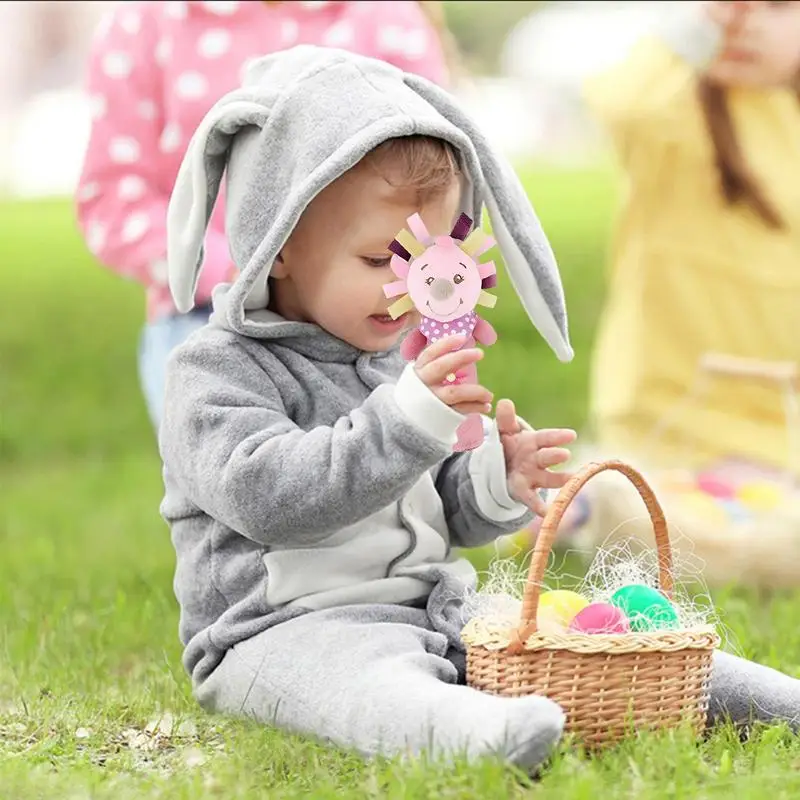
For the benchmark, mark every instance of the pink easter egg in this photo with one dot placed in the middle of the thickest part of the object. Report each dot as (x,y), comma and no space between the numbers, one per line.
(716,487)
(600,618)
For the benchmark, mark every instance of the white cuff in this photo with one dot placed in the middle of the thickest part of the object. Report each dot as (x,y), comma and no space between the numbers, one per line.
(425,409)
(487,468)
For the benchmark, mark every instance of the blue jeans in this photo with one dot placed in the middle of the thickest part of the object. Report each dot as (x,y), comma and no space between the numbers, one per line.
(157,341)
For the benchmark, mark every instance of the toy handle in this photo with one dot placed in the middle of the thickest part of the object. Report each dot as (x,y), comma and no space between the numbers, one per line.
(549,528)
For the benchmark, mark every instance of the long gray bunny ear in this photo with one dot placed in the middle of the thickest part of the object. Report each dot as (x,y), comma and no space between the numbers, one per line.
(526,251)
(197,187)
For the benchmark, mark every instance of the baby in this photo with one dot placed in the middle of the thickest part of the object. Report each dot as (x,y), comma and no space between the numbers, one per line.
(313,495)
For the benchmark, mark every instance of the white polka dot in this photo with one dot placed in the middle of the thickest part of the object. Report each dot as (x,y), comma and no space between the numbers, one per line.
(131,188)
(117,65)
(446,326)
(214,43)
(176,9)
(170,139)
(130,22)
(159,272)
(191,86)
(436,331)
(95,238)
(289,31)
(104,26)
(97,106)
(134,227)
(339,35)
(147,109)
(88,192)
(221,7)
(416,43)
(124,150)
(163,52)
(390,38)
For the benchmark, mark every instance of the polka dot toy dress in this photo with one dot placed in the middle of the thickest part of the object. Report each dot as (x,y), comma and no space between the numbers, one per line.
(433,330)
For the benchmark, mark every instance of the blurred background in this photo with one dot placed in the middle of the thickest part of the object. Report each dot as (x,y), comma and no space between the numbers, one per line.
(526,62)
(88,619)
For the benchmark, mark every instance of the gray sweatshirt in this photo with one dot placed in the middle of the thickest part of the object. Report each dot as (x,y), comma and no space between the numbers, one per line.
(299,472)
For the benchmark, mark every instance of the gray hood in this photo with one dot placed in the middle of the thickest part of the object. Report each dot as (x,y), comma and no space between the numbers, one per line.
(303,118)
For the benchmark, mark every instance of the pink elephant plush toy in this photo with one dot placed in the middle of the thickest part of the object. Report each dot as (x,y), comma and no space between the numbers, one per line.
(441,277)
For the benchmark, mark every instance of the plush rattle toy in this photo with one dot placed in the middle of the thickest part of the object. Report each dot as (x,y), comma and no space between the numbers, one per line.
(442,279)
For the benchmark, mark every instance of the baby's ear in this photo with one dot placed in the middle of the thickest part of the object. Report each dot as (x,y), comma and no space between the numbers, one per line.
(279,267)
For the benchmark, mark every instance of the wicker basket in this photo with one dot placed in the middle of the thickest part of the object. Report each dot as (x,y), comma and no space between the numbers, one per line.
(608,685)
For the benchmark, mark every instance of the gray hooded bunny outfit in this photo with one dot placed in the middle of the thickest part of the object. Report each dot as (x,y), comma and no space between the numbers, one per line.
(311,489)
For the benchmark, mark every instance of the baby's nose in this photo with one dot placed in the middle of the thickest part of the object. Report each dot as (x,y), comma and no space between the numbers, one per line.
(442,289)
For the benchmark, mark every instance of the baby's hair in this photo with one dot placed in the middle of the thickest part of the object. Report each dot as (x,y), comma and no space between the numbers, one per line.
(737,182)
(424,164)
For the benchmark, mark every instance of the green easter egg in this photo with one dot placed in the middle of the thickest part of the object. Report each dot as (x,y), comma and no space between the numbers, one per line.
(646,608)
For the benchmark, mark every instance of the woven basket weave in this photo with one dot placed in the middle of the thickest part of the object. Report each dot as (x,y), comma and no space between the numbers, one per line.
(609,686)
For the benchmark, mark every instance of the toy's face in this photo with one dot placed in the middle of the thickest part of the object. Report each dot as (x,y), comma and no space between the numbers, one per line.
(443,282)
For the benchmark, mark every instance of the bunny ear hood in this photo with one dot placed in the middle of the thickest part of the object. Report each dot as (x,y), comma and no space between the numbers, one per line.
(302,119)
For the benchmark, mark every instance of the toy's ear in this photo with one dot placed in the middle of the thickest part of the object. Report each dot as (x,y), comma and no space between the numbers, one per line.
(196,190)
(526,251)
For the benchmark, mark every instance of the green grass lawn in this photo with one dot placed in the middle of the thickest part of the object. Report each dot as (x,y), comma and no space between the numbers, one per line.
(89,656)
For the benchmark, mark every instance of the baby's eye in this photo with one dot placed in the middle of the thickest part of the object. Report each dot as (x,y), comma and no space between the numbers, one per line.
(429,281)
(376,261)
(458,279)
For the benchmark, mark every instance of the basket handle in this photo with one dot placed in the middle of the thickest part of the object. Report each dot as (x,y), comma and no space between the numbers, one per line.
(549,528)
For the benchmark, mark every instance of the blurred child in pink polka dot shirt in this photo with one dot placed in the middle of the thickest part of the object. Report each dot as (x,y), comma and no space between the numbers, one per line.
(155,68)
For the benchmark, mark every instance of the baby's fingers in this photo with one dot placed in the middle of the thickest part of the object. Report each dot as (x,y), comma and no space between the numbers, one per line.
(533,500)
(439,348)
(467,398)
(555,437)
(553,480)
(436,371)
(552,457)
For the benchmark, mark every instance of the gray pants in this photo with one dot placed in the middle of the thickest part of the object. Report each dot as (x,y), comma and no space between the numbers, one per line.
(384,680)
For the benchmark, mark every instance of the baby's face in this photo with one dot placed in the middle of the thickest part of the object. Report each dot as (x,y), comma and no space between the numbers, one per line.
(336,261)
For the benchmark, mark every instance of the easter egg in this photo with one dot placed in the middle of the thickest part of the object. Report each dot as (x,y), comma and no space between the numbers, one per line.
(760,495)
(703,506)
(600,618)
(735,510)
(715,487)
(646,608)
(557,609)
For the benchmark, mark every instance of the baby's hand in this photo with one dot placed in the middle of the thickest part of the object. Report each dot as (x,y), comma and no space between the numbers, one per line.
(443,358)
(529,454)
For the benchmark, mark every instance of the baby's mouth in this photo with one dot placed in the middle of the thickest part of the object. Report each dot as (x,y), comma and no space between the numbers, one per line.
(445,313)
(388,319)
